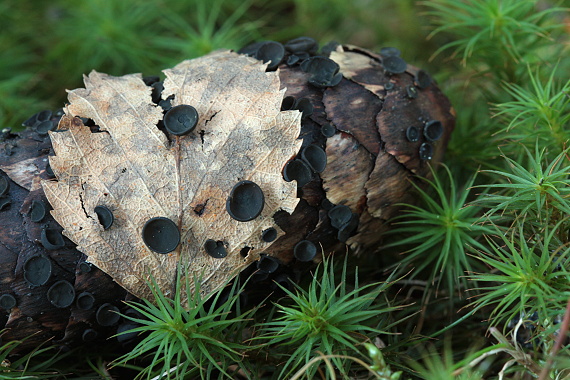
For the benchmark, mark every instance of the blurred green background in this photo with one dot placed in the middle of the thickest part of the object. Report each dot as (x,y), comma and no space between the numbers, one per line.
(46,46)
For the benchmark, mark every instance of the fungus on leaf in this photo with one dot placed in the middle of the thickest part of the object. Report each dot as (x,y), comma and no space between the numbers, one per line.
(153,182)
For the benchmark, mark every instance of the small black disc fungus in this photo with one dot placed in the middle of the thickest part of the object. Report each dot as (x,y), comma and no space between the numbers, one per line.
(61,294)
(328,130)
(390,51)
(181,120)
(157,88)
(412,92)
(107,315)
(37,211)
(394,64)
(4,185)
(267,264)
(412,134)
(246,201)
(339,216)
(4,202)
(426,151)
(52,239)
(305,250)
(45,126)
(89,335)
(269,235)
(105,216)
(389,85)
(85,267)
(85,301)
(7,301)
(288,103)
(325,71)
(272,52)
(49,171)
(348,229)
(315,157)
(302,45)
(304,105)
(299,171)
(161,234)
(215,249)
(422,79)
(433,130)
(37,270)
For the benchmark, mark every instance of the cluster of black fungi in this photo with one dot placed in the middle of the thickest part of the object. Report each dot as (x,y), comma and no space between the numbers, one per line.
(433,130)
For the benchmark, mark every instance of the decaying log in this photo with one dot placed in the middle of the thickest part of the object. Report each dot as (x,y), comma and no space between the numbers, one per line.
(380,122)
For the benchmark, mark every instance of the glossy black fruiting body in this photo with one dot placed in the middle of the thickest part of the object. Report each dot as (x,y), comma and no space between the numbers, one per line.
(288,103)
(339,215)
(433,130)
(37,270)
(246,201)
(7,301)
(315,157)
(37,211)
(271,52)
(107,315)
(215,249)
(105,216)
(412,134)
(412,92)
(394,64)
(61,294)
(181,120)
(89,335)
(161,234)
(302,45)
(426,151)
(52,239)
(45,126)
(304,105)
(305,250)
(4,185)
(299,171)
(269,235)
(390,51)
(422,79)
(267,264)
(85,301)
(325,71)
(328,130)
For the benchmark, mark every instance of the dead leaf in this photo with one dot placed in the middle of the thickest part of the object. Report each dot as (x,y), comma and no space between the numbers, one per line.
(138,172)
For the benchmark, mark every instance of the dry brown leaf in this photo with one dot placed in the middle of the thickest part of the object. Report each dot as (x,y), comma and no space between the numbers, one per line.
(132,168)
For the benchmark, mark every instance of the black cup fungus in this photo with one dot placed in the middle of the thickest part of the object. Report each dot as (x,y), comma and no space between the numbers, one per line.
(390,51)
(52,239)
(340,215)
(299,171)
(246,201)
(61,294)
(422,79)
(315,157)
(328,130)
(426,151)
(37,211)
(85,301)
(412,134)
(4,185)
(107,315)
(271,52)
(433,130)
(105,216)
(394,64)
(269,235)
(181,120)
(215,249)
(89,335)
(37,270)
(161,234)
(305,250)
(7,301)
(267,264)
